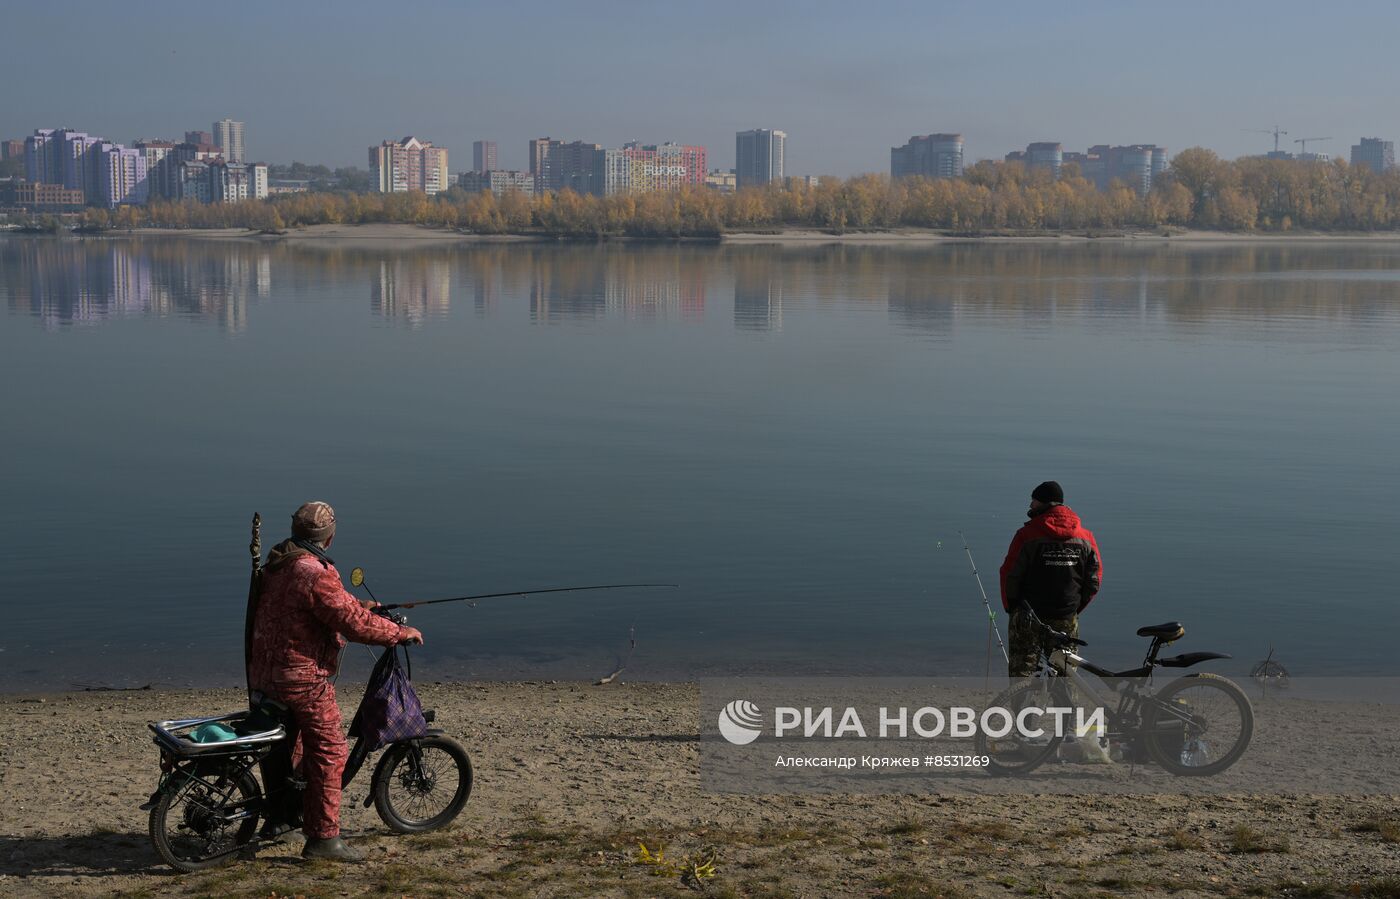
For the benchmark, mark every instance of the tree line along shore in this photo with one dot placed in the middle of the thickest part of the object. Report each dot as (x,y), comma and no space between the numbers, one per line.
(1198,191)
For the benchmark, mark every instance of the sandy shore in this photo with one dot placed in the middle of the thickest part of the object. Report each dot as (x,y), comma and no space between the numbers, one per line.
(379,236)
(916,236)
(570,777)
(384,236)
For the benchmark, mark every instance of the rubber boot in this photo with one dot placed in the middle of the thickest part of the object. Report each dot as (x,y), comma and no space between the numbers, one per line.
(332,848)
(277,832)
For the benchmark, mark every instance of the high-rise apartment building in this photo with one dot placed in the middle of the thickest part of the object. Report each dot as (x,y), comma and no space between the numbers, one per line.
(636,169)
(82,168)
(42,162)
(12,149)
(199,137)
(1042,155)
(121,176)
(1136,165)
(559,165)
(542,162)
(65,157)
(1376,154)
(160,159)
(257,181)
(217,180)
(228,181)
(484,156)
(175,184)
(928,156)
(106,174)
(228,136)
(760,156)
(409,164)
(191,181)
(498,181)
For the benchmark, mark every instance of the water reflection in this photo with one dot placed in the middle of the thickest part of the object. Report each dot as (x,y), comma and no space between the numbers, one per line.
(413,290)
(927,290)
(1182,285)
(583,283)
(758,297)
(569,288)
(663,289)
(776,479)
(65,282)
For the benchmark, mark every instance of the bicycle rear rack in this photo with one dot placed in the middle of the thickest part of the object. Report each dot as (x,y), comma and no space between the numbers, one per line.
(175,736)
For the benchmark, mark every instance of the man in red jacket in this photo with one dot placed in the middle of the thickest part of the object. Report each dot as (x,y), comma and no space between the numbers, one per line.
(303,619)
(1052,568)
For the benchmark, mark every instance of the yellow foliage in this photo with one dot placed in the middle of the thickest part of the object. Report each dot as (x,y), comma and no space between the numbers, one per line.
(1199,190)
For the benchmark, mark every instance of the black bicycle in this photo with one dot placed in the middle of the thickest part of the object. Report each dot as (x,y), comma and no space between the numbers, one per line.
(1195,726)
(206,808)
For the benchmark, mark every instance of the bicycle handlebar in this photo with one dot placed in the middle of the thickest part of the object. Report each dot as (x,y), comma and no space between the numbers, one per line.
(398,618)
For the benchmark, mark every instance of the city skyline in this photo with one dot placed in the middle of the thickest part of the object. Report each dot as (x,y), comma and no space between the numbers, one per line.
(845,89)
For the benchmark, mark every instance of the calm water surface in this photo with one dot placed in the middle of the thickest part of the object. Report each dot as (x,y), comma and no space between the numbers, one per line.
(796,436)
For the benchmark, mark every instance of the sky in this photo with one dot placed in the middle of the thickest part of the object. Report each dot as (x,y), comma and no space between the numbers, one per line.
(321,82)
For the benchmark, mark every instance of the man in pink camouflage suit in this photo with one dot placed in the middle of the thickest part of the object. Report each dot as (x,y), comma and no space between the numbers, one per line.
(303,619)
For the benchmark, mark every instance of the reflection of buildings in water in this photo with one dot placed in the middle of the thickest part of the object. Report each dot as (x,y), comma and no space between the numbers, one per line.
(638,298)
(133,286)
(412,289)
(692,297)
(212,284)
(63,282)
(263,280)
(649,284)
(574,284)
(916,304)
(548,303)
(567,289)
(486,292)
(758,301)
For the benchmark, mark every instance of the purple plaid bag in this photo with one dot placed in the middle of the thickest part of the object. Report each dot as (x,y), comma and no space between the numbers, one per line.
(390,710)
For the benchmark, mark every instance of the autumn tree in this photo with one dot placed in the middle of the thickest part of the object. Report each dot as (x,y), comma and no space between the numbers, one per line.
(1204,174)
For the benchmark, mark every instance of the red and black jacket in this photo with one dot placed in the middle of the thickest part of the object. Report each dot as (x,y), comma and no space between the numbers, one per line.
(1053,565)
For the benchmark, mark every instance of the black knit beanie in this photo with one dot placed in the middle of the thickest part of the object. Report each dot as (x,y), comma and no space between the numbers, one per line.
(1049,492)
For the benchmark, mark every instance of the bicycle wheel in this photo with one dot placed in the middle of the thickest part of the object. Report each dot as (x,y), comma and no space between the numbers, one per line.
(1015,753)
(1198,725)
(204,822)
(421,785)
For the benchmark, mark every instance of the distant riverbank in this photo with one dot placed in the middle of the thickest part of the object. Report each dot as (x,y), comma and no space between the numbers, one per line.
(375,236)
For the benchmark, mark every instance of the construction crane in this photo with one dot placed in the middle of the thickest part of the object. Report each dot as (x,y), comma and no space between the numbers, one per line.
(1275,131)
(1304,142)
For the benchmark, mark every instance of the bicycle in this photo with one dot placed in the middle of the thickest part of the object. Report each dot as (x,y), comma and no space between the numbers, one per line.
(1195,726)
(205,810)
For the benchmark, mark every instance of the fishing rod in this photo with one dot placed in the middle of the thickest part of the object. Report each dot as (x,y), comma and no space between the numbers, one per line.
(991,615)
(473,599)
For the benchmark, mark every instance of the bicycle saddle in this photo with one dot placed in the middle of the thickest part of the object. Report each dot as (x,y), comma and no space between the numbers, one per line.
(1171,630)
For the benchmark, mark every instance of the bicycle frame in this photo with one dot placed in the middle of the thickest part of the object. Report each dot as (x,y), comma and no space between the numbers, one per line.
(1129,715)
(1122,695)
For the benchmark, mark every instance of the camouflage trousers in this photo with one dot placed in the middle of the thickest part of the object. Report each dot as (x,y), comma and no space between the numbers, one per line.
(318,752)
(1025,642)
